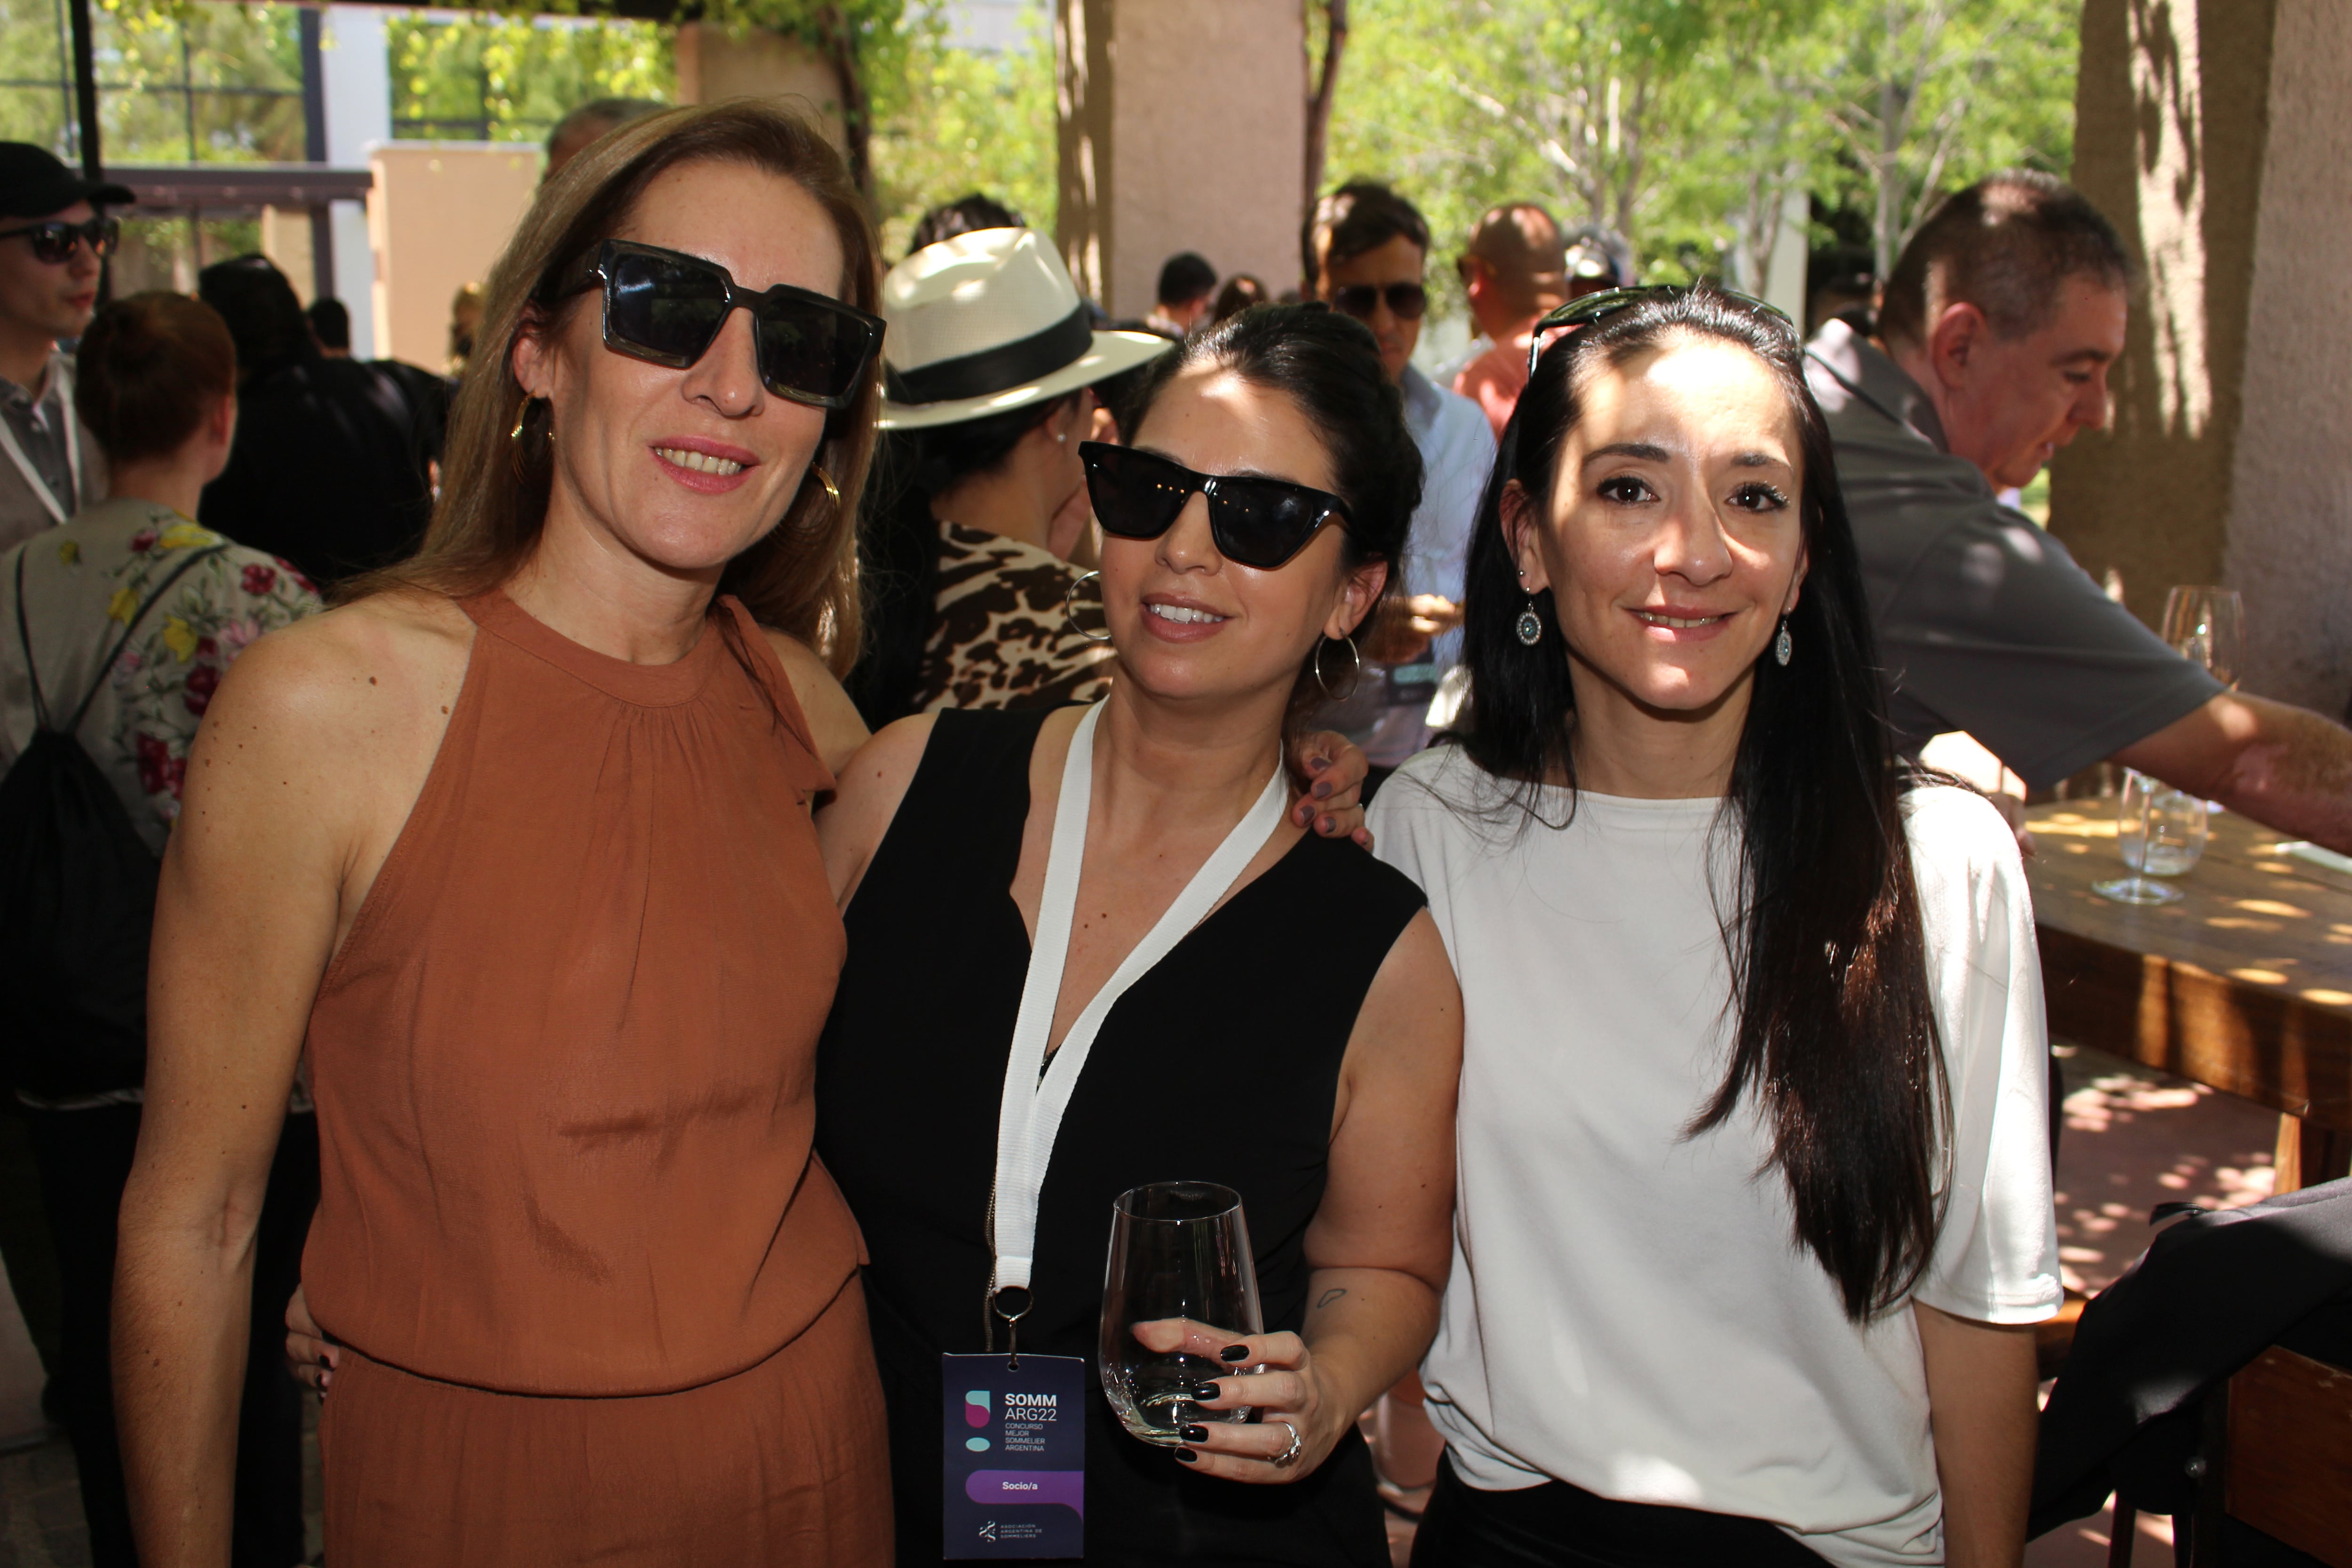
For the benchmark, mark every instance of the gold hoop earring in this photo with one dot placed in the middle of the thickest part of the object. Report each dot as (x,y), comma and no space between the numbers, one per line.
(522,414)
(831,489)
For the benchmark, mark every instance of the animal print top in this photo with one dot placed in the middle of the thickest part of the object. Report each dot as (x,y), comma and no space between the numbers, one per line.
(1003,638)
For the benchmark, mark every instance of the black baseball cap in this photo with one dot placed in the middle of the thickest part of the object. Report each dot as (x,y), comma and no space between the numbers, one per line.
(34,183)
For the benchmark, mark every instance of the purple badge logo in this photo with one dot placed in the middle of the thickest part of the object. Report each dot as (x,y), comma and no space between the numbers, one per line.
(975,1407)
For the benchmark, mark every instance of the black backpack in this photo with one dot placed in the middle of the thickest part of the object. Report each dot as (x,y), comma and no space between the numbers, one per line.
(76,902)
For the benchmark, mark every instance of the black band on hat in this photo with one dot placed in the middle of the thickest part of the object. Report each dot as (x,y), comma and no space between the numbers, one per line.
(998,369)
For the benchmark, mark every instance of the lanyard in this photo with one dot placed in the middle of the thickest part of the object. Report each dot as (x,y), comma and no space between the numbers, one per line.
(1031,1116)
(61,388)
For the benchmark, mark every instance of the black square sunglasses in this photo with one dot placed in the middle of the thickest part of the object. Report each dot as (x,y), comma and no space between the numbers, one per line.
(1258,522)
(1609,301)
(53,243)
(666,307)
(1407,301)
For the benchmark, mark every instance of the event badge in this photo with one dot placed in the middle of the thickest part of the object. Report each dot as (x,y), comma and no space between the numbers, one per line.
(1012,1456)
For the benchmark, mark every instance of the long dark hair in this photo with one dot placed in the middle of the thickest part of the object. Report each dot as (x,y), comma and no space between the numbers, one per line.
(1836,1037)
(1328,365)
(898,538)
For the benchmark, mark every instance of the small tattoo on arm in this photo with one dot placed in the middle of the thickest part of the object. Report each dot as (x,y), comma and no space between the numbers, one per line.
(1328,1297)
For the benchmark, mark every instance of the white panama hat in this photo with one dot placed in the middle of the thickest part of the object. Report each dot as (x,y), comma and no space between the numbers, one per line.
(987,322)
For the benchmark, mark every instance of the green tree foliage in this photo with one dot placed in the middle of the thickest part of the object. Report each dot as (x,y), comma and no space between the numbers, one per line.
(1684,122)
(495,77)
(178,83)
(960,120)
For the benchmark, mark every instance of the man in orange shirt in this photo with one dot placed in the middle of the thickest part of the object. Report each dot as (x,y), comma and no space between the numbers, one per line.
(1513,270)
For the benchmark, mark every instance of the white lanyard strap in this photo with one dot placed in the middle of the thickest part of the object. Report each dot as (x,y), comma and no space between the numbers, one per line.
(61,387)
(1032,1113)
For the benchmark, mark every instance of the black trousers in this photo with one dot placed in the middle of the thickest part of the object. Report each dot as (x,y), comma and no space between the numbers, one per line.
(85,1160)
(1558,1525)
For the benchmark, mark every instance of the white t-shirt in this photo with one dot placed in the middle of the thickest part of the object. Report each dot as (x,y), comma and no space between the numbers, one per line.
(1629,1310)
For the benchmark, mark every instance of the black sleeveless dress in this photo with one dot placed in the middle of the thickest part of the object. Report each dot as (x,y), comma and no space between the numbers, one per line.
(1256,1003)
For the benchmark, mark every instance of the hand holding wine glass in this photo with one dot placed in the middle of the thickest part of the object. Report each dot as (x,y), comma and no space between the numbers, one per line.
(1272,1374)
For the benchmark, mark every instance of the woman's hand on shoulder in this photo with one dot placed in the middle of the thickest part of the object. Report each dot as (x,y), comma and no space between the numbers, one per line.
(868,787)
(1334,802)
(834,720)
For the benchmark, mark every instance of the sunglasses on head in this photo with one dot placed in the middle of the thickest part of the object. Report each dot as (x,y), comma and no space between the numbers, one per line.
(54,242)
(668,308)
(1407,301)
(1258,522)
(1591,308)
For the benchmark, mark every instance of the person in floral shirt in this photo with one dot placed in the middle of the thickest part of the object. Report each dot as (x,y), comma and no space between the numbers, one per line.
(156,386)
(82,584)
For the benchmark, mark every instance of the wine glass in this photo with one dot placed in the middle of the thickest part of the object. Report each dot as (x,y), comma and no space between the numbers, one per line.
(1179,1260)
(2160,831)
(2208,625)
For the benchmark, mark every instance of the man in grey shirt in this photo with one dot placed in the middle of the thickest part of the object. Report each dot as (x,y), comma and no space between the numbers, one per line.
(53,243)
(1994,337)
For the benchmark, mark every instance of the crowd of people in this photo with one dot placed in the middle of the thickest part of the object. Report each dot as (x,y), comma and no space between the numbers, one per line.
(791,719)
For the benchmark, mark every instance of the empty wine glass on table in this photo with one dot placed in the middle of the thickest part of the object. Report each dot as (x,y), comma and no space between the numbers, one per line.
(2160,831)
(1180,1263)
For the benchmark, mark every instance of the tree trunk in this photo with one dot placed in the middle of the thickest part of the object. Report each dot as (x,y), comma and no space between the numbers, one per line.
(1318,103)
(840,46)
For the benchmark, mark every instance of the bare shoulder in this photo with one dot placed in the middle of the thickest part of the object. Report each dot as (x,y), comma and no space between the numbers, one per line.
(348,673)
(834,720)
(1414,1006)
(871,785)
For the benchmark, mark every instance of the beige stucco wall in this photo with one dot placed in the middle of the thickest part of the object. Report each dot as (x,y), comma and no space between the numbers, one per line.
(438,216)
(2289,532)
(2215,133)
(714,64)
(1183,128)
(2168,144)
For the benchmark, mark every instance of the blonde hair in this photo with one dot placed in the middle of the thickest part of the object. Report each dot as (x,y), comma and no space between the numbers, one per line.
(800,577)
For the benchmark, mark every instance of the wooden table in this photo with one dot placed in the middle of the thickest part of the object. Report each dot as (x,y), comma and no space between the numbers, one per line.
(2244,985)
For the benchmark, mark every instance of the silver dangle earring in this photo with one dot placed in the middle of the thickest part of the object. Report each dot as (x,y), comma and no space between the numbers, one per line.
(1781,645)
(1530,624)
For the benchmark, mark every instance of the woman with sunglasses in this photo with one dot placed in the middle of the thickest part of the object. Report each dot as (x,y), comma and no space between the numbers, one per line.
(515,846)
(980,502)
(1111,895)
(1755,1211)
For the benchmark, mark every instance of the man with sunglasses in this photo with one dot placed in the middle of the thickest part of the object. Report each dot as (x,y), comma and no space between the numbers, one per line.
(1366,252)
(54,241)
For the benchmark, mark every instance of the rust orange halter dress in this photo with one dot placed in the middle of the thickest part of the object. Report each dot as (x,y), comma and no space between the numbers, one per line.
(604,1301)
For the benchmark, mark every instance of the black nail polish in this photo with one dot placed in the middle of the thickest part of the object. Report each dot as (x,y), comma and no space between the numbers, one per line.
(325,1362)
(1189,1456)
(1234,1353)
(1207,1390)
(1195,1434)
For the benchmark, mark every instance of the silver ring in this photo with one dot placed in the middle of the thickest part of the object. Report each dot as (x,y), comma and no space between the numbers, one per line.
(1289,1456)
